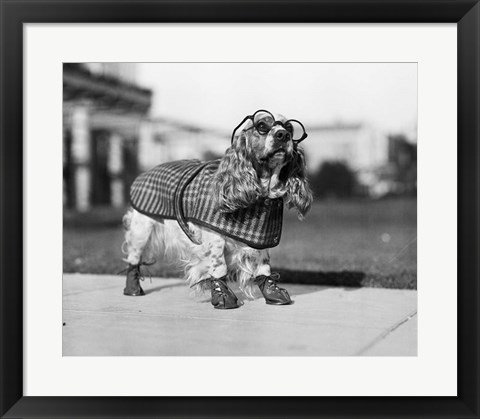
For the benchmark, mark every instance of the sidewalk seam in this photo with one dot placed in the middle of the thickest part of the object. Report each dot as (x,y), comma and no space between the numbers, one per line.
(387,332)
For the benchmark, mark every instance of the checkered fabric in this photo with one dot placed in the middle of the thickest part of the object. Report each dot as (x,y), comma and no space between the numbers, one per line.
(182,189)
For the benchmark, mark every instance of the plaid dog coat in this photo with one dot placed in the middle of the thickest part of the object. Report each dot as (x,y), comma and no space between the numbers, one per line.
(182,190)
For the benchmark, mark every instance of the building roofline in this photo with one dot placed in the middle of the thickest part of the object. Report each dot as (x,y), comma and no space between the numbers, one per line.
(188,126)
(80,83)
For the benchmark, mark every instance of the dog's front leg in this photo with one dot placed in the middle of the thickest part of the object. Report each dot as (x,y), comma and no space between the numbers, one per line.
(267,282)
(263,263)
(213,261)
(215,256)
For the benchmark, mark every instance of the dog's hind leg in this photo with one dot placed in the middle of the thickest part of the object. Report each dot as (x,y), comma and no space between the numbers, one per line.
(138,229)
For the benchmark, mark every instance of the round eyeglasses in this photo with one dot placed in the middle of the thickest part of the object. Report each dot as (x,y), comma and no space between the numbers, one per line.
(263,121)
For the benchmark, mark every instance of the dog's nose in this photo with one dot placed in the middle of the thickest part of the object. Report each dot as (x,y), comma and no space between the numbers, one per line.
(282,135)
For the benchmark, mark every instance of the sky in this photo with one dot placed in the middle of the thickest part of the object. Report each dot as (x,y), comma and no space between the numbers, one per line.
(219,95)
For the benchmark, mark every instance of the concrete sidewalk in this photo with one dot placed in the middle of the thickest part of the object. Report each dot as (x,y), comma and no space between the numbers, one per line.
(324,321)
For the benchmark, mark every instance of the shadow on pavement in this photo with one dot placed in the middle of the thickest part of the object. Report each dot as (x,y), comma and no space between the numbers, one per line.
(347,279)
(163,287)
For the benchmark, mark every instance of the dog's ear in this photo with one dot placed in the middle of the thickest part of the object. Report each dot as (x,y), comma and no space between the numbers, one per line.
(236,184)
(298,192)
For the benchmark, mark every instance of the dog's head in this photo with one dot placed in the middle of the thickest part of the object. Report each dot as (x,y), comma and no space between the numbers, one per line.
(270,139)
(264,159)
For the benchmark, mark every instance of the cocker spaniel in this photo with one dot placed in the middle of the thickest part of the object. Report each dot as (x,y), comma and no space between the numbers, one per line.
(220,218)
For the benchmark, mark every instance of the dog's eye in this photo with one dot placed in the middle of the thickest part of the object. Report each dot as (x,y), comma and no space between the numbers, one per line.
(262,128)
(289,127)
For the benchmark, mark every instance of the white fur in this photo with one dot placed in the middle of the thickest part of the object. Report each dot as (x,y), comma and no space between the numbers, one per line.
(215,257)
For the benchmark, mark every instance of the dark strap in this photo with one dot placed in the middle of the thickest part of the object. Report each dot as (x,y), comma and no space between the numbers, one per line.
(178,200)
(261,279)
(207,283)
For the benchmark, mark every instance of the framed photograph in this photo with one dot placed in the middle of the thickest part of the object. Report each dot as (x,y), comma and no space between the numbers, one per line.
(238,209)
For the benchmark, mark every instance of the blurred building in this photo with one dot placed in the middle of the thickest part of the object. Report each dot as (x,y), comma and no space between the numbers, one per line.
(109,136)
(379,161)
(104,117)
(359,145)
(170,139)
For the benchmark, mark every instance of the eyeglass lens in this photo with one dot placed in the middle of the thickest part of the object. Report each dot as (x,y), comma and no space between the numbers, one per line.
(264,122)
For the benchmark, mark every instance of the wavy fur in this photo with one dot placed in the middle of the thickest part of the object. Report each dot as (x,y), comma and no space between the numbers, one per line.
(298,192)
(236,183)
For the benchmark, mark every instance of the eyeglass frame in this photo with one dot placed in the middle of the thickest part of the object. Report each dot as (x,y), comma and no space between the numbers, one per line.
(282,124)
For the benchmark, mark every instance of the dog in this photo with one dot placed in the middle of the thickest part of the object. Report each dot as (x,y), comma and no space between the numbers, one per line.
(219,218)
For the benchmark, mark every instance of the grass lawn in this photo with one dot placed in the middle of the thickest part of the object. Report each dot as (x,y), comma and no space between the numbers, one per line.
(345,243)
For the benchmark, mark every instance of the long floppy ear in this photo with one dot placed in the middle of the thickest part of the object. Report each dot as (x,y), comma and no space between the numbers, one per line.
(294,174)
(236,184)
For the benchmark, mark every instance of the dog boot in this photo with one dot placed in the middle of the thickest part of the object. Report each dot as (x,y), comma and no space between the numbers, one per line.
(223,297)
(132,286)
(273,294)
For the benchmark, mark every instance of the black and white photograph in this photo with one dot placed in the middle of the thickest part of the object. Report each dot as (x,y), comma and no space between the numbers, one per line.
(287,192)
(239,209)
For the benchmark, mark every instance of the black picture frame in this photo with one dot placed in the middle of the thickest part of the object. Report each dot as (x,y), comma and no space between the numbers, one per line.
(14,13)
